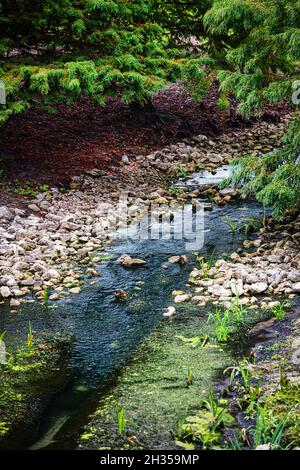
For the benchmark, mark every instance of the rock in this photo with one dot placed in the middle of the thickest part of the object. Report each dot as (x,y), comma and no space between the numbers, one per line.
(264,331)
(258,287)
(169,312)
(54,297)
(182,298)
(175,293)
(121,295)
(6,214)
(274,259)
(125,159)
(128,262)
(27,282)
(75,290)
(95,173)
(273,304)
(34,208)
(264,447)
(5,292)
(160,201)
(236,287)
(235,256)
(53,274)
(296,288)
(15,303)
(183,259)
(219,291)
(227,192)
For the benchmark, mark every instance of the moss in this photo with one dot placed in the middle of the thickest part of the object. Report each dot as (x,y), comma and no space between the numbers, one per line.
(286,402)
(204,428)
(153,387)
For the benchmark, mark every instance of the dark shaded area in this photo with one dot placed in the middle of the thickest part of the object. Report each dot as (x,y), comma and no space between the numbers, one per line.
(50,146)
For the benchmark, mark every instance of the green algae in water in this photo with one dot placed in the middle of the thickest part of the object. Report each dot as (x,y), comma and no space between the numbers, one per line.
(286,402)
(27,381)
(153,387)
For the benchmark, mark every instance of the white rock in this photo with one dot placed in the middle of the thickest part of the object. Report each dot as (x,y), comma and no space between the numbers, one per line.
(236,287)
(53,274)
(264,447)
(75,290)
(5,214)
(14,303)
(219,291)
(182,298)
(259,287)
(170,312)
(5,292)
(125,159)
(296,288)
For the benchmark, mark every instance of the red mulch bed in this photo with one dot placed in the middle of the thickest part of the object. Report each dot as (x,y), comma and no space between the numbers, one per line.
(42,148)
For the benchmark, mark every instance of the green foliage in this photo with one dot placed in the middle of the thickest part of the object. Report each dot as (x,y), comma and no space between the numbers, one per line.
(262,65)
(204,428)
(279,310)
(221,321)
(269,429)
(275,177)
(98,48)
(121,419)
(30,337)
(190,378)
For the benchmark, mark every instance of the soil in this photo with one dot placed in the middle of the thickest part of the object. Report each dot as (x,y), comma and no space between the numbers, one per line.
(50,146)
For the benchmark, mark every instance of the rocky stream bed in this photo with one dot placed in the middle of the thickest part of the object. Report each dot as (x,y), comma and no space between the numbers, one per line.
(134,313)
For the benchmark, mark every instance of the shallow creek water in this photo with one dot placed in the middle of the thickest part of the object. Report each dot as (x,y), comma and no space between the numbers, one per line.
(110,357)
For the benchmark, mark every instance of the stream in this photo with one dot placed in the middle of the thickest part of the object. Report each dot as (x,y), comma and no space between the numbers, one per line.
(107,333)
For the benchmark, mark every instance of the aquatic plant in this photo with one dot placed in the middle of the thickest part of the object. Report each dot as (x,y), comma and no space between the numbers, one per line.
(46,296)
(269,429)
(283,381)
(235,443)
(279,310)
(248,401)
(121,419)
(221,320)
(251,224)
(243,373)
(190,377)
(237,310)
(232,225)
(195,341)
(212,405)
(204,268)
(203,428)
(181,172)
(2,336)
(30,337)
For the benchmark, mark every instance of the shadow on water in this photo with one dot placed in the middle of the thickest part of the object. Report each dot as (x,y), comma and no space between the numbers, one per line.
(106,333)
